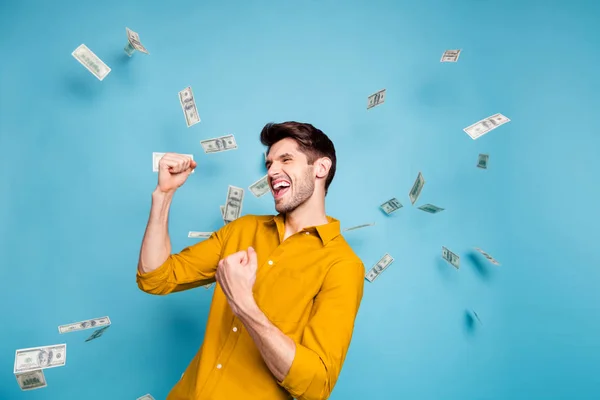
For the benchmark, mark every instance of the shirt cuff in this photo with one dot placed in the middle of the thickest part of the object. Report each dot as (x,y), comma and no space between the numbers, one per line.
(150,281)
(306,367)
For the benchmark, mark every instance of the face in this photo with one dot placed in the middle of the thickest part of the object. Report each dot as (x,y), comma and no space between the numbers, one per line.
(291,179)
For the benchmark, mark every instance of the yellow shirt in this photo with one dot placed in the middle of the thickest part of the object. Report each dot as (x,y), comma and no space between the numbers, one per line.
(310,286)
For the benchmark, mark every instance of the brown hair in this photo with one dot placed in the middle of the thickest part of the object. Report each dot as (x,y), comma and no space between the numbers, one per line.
(311,141)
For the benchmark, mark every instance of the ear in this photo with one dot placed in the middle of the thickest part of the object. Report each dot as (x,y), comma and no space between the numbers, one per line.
(322,166)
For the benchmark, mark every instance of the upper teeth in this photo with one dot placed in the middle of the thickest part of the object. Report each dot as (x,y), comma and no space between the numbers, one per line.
(280,184)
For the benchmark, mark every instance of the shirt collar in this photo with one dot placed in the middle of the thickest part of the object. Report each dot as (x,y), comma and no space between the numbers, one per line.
(326,232)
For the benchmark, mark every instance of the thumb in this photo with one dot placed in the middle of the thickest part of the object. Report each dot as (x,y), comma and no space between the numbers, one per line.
(252,256)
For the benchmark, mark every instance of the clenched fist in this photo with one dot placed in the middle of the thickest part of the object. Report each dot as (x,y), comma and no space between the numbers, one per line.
(173,170)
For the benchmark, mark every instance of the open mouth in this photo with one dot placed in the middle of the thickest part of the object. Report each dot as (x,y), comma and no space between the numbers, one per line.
(280,187)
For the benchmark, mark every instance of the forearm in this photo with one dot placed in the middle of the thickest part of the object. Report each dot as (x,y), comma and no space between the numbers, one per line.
(156,245)
(277,349)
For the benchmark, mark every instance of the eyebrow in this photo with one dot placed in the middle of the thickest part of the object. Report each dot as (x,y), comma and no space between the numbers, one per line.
(284,155)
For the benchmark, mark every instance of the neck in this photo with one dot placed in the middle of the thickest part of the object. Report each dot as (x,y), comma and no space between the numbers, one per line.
(310,213)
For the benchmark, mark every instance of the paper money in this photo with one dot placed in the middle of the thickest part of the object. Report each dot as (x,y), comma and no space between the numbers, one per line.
(31,380)
(265,154)
(430,208)
(97,333)
(450,257)
(146,397)
(134,41)
(208,286)
(260,187)
(477,316)
(483,161)
(199,235)
(188,105)
(157,156)
(217,145)
(222,211)
(358,227)
(375,99)
(486,255)
(480,128)
(91,61)
(233,204)
(415,192)
(34,358)
(83,325)
(390,206)
(378,268)
(450,56)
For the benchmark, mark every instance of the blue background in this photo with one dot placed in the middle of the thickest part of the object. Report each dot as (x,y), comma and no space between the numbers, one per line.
(76,182)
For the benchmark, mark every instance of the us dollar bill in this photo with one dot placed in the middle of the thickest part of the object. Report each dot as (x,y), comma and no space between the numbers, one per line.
(375,99)
(134,39)
(97,333)
(486,255)
(378,268)
(233,204)
(358,227)
(31,380)
(35,358)
(147,397)
(260,187)
(188,105)
(450,257)
(217,145)
(430,208)
(390,206)
(483,161)
(222,211)
(199,235)
(480,128)
(83,325)
(91,61)
(450,56)
(208,285)
(157,156)
(415,192)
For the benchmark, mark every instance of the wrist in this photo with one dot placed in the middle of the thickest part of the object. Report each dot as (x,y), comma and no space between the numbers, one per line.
(159,194)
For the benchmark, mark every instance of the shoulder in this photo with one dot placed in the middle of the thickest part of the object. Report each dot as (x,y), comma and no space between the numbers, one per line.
(343,256)
(245,222)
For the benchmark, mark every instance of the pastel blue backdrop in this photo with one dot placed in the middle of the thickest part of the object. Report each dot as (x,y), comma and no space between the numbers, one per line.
(76,180)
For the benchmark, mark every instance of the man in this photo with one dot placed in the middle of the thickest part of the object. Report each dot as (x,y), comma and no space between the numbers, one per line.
(288,286)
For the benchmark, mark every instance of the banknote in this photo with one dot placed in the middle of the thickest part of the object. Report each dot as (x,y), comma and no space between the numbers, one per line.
(480,128)
(157,156)
(378,268)
(31,380)
(82,325)
(188,105)
(483,161)
(375,99)
(91,61)
(477,316)
(357,227)
(146,397)
(415,192)
(265,154)
(199,235)
(450,56)
(222,211)
(260,187)
(34,358)
(97,333)
(430,208)
(217,145)
(390,206)
(233,203)
(486,255)
(134,39)
(450,257)
(208,286)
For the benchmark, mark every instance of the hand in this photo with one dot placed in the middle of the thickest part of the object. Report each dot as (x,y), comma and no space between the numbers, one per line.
(173,170)
(236,274)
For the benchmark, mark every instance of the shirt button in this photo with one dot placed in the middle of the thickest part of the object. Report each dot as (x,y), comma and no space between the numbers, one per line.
(219,366)
(270,262)
(235,328)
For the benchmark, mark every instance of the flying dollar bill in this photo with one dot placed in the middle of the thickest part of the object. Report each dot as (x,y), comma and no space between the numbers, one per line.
(188,105)
(430,208)
(133,43)
(83,325)
(217,145)
(260,187)
(97,333)
(199,235)
(222,211)
(35,358)
(450,257)
(91,61)
(477,316)
(415,192)
(31,380)
(157,156)
(378,268)
(450,56)
(375,99)
(483,161)
(480,128)
(390,206)
(208,286)
(146,397)
(358,227)
(486,255)
(233,204)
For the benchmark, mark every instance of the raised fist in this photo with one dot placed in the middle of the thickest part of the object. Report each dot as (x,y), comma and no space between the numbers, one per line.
(173,170)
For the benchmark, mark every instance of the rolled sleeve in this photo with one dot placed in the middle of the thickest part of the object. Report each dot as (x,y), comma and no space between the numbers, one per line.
(326,339)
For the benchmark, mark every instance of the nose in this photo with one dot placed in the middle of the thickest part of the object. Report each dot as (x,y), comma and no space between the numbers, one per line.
(274,170)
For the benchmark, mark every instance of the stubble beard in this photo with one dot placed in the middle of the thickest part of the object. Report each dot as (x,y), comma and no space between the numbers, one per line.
(303,190)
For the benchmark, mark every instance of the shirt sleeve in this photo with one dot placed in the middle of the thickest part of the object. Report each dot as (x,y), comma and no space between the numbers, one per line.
(193,266)
(326,339)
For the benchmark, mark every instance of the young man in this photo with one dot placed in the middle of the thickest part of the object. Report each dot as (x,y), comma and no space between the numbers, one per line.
(288,286)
